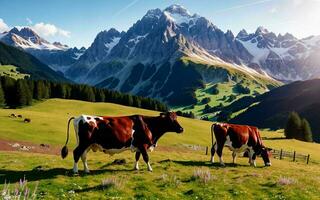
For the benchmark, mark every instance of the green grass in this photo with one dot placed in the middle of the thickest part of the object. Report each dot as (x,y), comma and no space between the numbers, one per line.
(11,71)
(174,165)
(257,83)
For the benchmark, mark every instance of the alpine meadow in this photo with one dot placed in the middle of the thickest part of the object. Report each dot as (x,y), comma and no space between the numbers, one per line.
(138,99)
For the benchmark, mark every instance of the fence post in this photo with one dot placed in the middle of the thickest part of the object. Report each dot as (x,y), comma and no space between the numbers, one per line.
(308,158)
(294,156)
(206,150)
(281,154)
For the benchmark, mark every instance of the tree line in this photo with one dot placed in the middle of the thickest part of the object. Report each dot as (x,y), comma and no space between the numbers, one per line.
(21,92)
(298,128)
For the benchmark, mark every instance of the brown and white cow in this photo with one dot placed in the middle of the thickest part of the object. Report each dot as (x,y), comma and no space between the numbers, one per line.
(238,138)
(116,134)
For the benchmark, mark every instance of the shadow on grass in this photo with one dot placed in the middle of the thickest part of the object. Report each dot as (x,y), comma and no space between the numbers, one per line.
(209,164)
(12,176)
(274,138)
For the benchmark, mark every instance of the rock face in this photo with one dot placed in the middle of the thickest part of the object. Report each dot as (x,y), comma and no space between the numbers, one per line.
(55,55)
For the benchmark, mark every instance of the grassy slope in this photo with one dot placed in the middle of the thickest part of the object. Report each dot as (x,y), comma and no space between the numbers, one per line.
(170,179)
(257,84)
(11,71)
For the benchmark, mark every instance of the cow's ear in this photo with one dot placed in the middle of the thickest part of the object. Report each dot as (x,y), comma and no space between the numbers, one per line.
(163,115)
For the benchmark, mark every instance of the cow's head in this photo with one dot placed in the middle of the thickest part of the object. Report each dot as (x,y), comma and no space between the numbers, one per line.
(266,154)
(171,122)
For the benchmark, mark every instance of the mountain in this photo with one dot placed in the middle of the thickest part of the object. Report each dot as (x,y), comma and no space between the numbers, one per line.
(98,50)
(271,109)
(55,55)
(27,64)
(169,55)
(283,57)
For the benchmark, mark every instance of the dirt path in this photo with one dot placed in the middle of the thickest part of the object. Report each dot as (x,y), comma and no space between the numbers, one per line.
(6,145)
(29,147)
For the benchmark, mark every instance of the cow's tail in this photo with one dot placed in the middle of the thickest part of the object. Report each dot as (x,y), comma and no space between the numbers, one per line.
(212,131)
(64,150)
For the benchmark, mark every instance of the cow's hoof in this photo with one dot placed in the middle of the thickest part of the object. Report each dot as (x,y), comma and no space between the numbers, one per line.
(136,168)
(87,171)
(150,170)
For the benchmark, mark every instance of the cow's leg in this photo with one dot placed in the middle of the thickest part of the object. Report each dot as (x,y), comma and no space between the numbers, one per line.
(213,151)
(234,155)
(146,158)
(252,158)
(84,161)
(77,152)
(219,152)
(136,165)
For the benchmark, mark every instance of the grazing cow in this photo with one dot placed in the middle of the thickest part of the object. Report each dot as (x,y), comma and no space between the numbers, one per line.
(238,138)
(116,134)
(19,116)
(13,115)
(27,120)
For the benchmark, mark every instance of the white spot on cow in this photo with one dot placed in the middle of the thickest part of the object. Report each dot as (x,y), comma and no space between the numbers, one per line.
(228,144)
(84,160)
(75,167)
(136,165)
(149,167)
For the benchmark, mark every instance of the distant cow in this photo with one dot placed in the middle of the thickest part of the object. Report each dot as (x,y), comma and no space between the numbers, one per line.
(238,138)
(20,116)
(13,115)
(27,120)
(116,134)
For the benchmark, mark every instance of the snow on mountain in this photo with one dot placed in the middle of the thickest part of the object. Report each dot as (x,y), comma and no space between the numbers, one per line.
(283,57)
(26,38)
(56,55)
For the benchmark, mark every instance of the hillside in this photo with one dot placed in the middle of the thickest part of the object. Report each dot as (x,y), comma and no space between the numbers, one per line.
(271,109)
(177,169)
(27,64)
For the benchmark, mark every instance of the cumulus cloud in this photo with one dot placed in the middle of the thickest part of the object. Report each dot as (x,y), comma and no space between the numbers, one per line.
(47,30)
(3,26)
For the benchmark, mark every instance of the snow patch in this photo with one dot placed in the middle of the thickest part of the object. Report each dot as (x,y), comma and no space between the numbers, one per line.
(112,44)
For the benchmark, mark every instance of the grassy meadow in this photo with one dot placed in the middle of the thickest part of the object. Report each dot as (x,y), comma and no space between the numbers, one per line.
(180,171)
(11,71)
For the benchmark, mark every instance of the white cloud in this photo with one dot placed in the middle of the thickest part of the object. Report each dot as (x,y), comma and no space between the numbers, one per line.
(273,10)
(29,20)
(3,26)
(47,30)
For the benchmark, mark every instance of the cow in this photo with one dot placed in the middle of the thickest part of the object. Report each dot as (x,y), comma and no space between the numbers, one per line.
(238,138)
(112,135)
(27,120)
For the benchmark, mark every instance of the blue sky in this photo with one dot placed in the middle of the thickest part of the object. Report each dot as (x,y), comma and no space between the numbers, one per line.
(77,22)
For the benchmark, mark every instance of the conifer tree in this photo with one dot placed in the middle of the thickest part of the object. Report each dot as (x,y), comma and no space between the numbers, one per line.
(306,131)
(293,125)
(2,99)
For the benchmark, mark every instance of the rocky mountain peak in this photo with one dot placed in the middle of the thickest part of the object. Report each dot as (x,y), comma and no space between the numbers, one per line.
(242,34)
(177,9)
(153,13)
(261,30)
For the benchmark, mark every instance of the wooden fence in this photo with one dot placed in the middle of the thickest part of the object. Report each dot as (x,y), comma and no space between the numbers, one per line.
(294,156)
(280,154)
